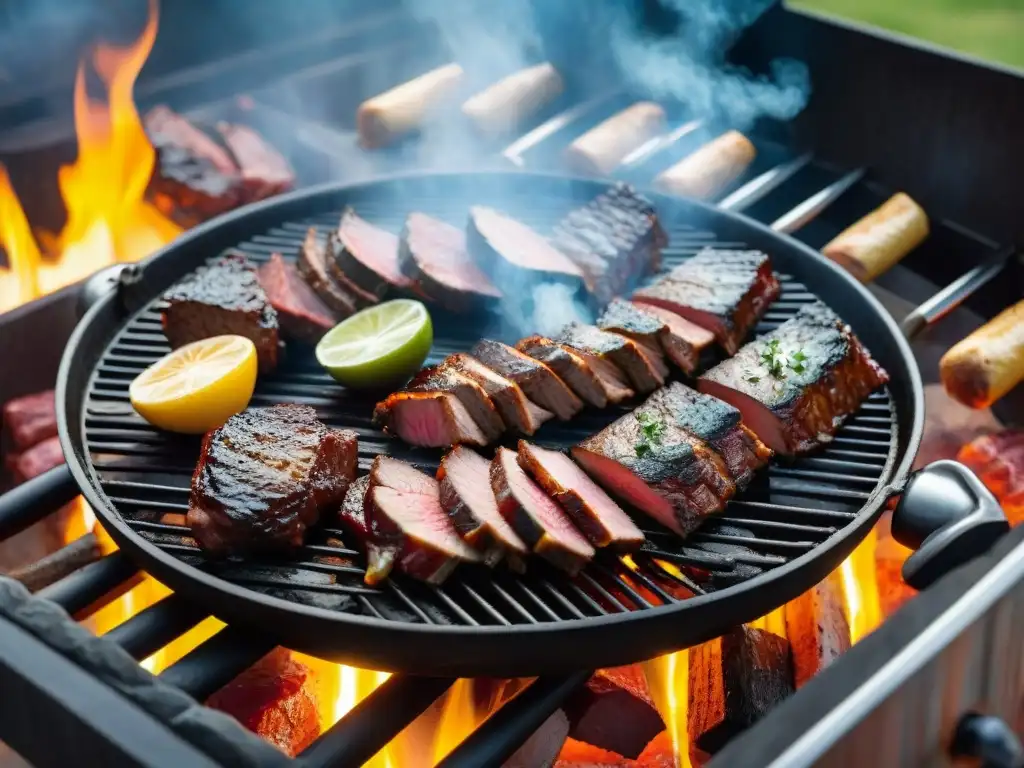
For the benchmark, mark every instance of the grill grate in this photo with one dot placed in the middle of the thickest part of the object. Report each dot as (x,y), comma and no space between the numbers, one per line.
(788,510)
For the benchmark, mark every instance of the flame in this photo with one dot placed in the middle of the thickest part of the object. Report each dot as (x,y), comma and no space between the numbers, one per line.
(668,679)
(860,588)
(459,718)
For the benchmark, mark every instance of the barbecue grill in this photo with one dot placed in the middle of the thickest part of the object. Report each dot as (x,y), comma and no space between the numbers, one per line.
(956,103)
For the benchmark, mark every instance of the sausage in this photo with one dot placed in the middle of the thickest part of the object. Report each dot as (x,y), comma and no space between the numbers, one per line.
(501,107)
(706,172)
(387,117)
(988,363)
(600,150)
(872,245)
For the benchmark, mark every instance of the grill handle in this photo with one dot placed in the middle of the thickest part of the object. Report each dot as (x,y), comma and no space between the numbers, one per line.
(949,517)
(990,739)
(33,500)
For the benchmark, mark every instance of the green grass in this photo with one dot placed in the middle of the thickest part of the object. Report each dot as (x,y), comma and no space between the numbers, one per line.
(990,29)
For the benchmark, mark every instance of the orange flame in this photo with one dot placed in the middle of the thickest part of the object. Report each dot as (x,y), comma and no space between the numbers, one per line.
(860,588)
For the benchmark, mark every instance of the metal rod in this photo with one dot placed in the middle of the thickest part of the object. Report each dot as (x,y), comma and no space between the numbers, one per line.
(90,588)
(956,293)
(55,566)
(758,187)
(514,151)
(807,210)
(655,145)
(375,721)
(34,499)
(506,730)
(147,632)
(217,662)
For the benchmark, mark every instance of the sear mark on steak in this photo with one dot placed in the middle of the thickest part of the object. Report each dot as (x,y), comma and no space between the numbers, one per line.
(466,495)
(314,267)
(428,419)
(535,516)
(303,316)
(433,254)
(224,297)
(658,332)
(726,292)
(265,477)
(380,556)
(645,374)
(405,513)
(368,255)
(803,409)
(600,519)
(596,381)
(448,378)
(519,414)
(537,380)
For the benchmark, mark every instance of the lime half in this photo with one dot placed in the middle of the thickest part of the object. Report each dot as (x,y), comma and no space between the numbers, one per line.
(378,347)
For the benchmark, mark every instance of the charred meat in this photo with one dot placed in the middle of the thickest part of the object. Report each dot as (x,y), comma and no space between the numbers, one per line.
(428,419)
(600,519)
(796,385)
(535,517)
(314,266)
(614,240)
(595,380)
(299,310)
(662,469)
(726,292)
(448,378)
(538,381)
(511,253)
(265,477)
(657,331)
(433,254)
(405,515)
(224,297)
(368,255)
(465,485)
(518,413)
(645,374)
(263,170)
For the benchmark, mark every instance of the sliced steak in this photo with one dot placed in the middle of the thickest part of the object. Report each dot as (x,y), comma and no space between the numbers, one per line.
(595,380)
(519,414)
(433,254)
(314,268)
(685,340)
(222,298)
(334,248)
(429,419)
(30,419)
(448,378)
(405,514)
(726,292)
(535,517)
(538,381)
(645,373)
(264,171)
(600,519)
(511,253)
(368,255)
(615,239)
(302,315)
(380,556)
(656,465)
(796,385)
(265,477)
(719,425)
(657,331)
(466,495)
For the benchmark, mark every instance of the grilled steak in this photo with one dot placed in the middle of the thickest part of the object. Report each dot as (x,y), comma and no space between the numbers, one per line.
(368,255)
(464,477)
(600,519)
(405,514)
(264,172)
(510,252)
(314,268)
(518,413)
(334,248)
(662,469)
(614,240)
(645,373)
(265,477)
(716,423)
(448,378)
(535,517)
(657,331)
(433,254)
(224,297)
(796,385)
(380,556)
(299,310)
(30,419)
(538,381)
(595,380)
(726,292)
(429,419)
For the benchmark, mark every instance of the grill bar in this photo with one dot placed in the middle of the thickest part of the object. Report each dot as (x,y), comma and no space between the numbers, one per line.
(815,204)
(30,502)
(147,632)
(216,662)
(90,588)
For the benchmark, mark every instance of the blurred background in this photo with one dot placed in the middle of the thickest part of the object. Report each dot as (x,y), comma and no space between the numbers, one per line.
(990,29)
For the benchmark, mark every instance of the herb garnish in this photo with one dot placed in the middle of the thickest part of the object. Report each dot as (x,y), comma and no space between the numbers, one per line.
(651,431)
(776,362)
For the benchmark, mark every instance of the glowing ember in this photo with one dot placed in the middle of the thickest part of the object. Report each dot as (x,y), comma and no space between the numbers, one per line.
(860,588)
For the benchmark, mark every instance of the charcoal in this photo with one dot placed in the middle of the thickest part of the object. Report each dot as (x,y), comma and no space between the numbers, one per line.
(817,628)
